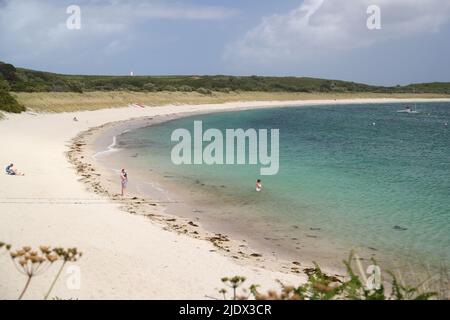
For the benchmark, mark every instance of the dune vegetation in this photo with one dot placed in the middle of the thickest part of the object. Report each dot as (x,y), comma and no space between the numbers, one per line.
(50,92)
(71,101)
(320,286)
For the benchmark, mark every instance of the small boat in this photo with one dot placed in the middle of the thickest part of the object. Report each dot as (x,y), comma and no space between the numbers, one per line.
(407,110)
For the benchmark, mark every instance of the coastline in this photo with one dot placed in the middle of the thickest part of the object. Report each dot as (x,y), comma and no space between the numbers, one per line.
(101,180)
(311,245)
(172,213)
(118,243)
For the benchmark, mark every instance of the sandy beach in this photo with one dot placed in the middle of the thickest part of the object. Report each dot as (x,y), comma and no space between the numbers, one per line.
(125,256)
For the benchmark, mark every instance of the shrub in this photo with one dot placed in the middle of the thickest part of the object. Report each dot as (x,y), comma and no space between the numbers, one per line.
(129,87)
(59,86)
(204,91)
(149,87)
(185,88)
(340,89)
(4,85)
(9,104)
(170,88)
(75,86)
(321,286)
(225,90)
(8,71)
(106,87)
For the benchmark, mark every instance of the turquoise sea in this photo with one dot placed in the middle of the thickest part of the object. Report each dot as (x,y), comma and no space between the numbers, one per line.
(351,176)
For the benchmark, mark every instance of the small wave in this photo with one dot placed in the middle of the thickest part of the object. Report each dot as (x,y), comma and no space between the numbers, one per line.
(110,149)
(160,191)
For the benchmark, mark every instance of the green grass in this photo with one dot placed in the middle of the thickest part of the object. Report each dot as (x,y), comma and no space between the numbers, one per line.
(25,80)
(9,104)
(70,101)
(45,91)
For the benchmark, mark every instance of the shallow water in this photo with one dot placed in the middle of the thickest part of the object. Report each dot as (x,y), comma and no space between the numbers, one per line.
(350,176)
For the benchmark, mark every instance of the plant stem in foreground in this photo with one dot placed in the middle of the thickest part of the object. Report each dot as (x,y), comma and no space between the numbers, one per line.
(26,287)
(54,280)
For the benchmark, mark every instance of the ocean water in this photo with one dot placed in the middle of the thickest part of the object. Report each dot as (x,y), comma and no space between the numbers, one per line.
(351,176)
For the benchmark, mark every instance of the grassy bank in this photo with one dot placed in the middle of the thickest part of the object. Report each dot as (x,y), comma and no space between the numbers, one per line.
(50,92)
(70,101)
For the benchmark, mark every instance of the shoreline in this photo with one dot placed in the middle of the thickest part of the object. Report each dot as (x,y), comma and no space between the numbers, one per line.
(100,179)
(102,231)
(181,221)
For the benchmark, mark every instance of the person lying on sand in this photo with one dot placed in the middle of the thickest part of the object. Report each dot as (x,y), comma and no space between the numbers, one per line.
(10,170)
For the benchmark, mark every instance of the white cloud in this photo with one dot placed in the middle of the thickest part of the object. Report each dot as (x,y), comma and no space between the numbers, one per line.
(323,27)
(125,12)
(33,27)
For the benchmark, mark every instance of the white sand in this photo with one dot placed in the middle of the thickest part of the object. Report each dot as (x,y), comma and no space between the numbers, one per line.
(125,256)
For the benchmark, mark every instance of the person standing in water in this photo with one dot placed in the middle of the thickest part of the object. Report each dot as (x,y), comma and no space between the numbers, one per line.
(258,185)
(123,180)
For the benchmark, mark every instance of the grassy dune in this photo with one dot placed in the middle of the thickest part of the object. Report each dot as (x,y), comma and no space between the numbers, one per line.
(69,101)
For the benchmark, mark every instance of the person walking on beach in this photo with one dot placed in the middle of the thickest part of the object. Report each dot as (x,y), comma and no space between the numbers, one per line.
(258,185)
(123,180)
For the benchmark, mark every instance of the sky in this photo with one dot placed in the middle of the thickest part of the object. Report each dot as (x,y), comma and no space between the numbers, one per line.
(316,38)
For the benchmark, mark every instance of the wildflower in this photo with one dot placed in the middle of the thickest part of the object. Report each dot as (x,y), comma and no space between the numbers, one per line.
(51,257)
(35,262)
